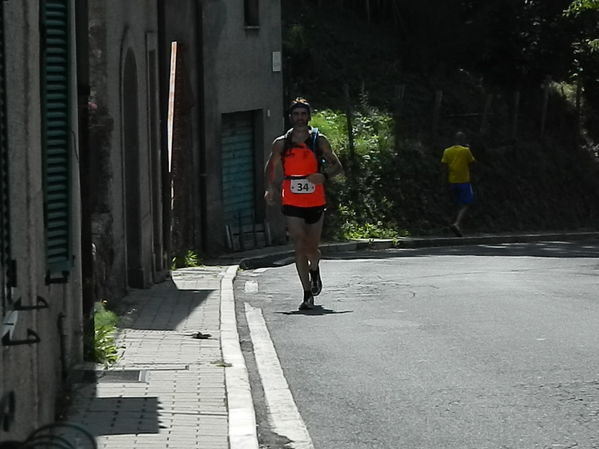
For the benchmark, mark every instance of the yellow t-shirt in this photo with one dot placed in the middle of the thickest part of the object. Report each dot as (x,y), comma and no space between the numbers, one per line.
(458,160)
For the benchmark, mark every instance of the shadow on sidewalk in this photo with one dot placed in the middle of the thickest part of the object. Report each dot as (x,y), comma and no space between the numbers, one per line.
(121,416)
(168,306)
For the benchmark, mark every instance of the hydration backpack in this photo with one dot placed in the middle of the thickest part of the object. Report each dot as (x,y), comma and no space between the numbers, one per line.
(313,145)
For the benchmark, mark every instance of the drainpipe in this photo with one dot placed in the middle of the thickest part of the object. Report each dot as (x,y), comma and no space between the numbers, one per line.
(83,91)
(202,190)
(62,339)
(163,74)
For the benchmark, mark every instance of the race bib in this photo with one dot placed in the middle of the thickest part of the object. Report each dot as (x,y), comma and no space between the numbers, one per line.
(302,186)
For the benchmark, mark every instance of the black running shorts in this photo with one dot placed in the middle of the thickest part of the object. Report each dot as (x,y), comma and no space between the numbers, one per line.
(310,214)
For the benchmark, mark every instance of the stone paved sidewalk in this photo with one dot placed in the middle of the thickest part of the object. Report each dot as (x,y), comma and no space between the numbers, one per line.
(168,388)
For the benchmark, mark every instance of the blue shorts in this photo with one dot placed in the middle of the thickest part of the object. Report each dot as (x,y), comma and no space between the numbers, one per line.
(462,193)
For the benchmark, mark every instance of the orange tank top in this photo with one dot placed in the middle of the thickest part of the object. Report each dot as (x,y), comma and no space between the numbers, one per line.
(298,162)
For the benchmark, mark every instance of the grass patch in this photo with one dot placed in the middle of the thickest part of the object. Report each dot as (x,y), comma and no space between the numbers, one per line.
(189,259)
(105,325)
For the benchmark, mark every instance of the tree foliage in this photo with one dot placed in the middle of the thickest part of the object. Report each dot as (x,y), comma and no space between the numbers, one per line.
(538,51)
(509,42)
(578,7)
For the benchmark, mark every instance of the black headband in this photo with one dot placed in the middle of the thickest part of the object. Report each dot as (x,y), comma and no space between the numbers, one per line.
(299,104)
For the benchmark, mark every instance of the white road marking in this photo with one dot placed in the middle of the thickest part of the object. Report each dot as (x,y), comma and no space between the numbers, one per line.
(251,287)
(283,413)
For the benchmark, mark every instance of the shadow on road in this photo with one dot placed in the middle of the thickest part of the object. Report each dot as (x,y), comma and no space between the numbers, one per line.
(557,249)
(317,310)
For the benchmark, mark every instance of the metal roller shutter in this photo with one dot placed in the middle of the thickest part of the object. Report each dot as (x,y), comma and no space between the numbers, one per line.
(238,168)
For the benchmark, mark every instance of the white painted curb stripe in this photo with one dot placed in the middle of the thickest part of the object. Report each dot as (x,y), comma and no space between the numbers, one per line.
(242,417)
(283,413)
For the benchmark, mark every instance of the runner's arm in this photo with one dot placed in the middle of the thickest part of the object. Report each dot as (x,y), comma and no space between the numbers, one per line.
(333,165)
(270,171)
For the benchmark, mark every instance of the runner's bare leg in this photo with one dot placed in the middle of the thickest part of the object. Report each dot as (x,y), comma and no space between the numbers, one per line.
(460,216)
(312,241)
(297,229)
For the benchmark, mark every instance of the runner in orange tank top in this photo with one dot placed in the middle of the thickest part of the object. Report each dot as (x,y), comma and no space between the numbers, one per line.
(300,161)
(302,191)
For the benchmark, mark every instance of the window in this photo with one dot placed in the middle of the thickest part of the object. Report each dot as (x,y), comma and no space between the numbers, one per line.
(56,135)
(252,13)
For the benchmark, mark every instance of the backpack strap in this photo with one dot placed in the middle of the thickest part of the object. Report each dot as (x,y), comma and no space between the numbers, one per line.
(316,149)
(314,141)
(287,143)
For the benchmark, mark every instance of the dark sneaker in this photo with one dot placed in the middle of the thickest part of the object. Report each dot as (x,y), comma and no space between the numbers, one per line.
(308,302)
(315,282)
(307,305)
(456,230)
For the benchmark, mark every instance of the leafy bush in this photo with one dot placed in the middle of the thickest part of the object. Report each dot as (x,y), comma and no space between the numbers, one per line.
(190,259)
(365,201)
(394,186)
(105,322)
(368,231)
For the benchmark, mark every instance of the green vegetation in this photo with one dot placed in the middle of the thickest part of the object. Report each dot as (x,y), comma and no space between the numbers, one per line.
(365,167)
(189,259)
(581,6)
(501,44)
(105,322)
(352,230)
(515,77)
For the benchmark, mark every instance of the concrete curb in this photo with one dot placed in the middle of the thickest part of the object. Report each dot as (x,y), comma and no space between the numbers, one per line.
(242,417)
(410,242)
(268,257)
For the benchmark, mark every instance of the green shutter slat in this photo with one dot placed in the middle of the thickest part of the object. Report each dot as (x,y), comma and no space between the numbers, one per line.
(59,230)
(55,153)
(56,113)
(57,166)
(58,236)
(56,134)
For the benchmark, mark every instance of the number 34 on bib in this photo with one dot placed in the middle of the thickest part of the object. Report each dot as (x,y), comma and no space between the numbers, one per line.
(302,186)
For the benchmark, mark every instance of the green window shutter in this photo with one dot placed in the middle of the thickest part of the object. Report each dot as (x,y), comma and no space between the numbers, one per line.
(56,132)
(5,257)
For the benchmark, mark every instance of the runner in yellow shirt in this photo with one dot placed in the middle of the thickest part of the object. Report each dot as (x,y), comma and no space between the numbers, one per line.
(458,158)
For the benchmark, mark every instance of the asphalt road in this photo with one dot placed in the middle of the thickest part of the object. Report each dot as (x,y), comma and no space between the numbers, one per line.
(454,347)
